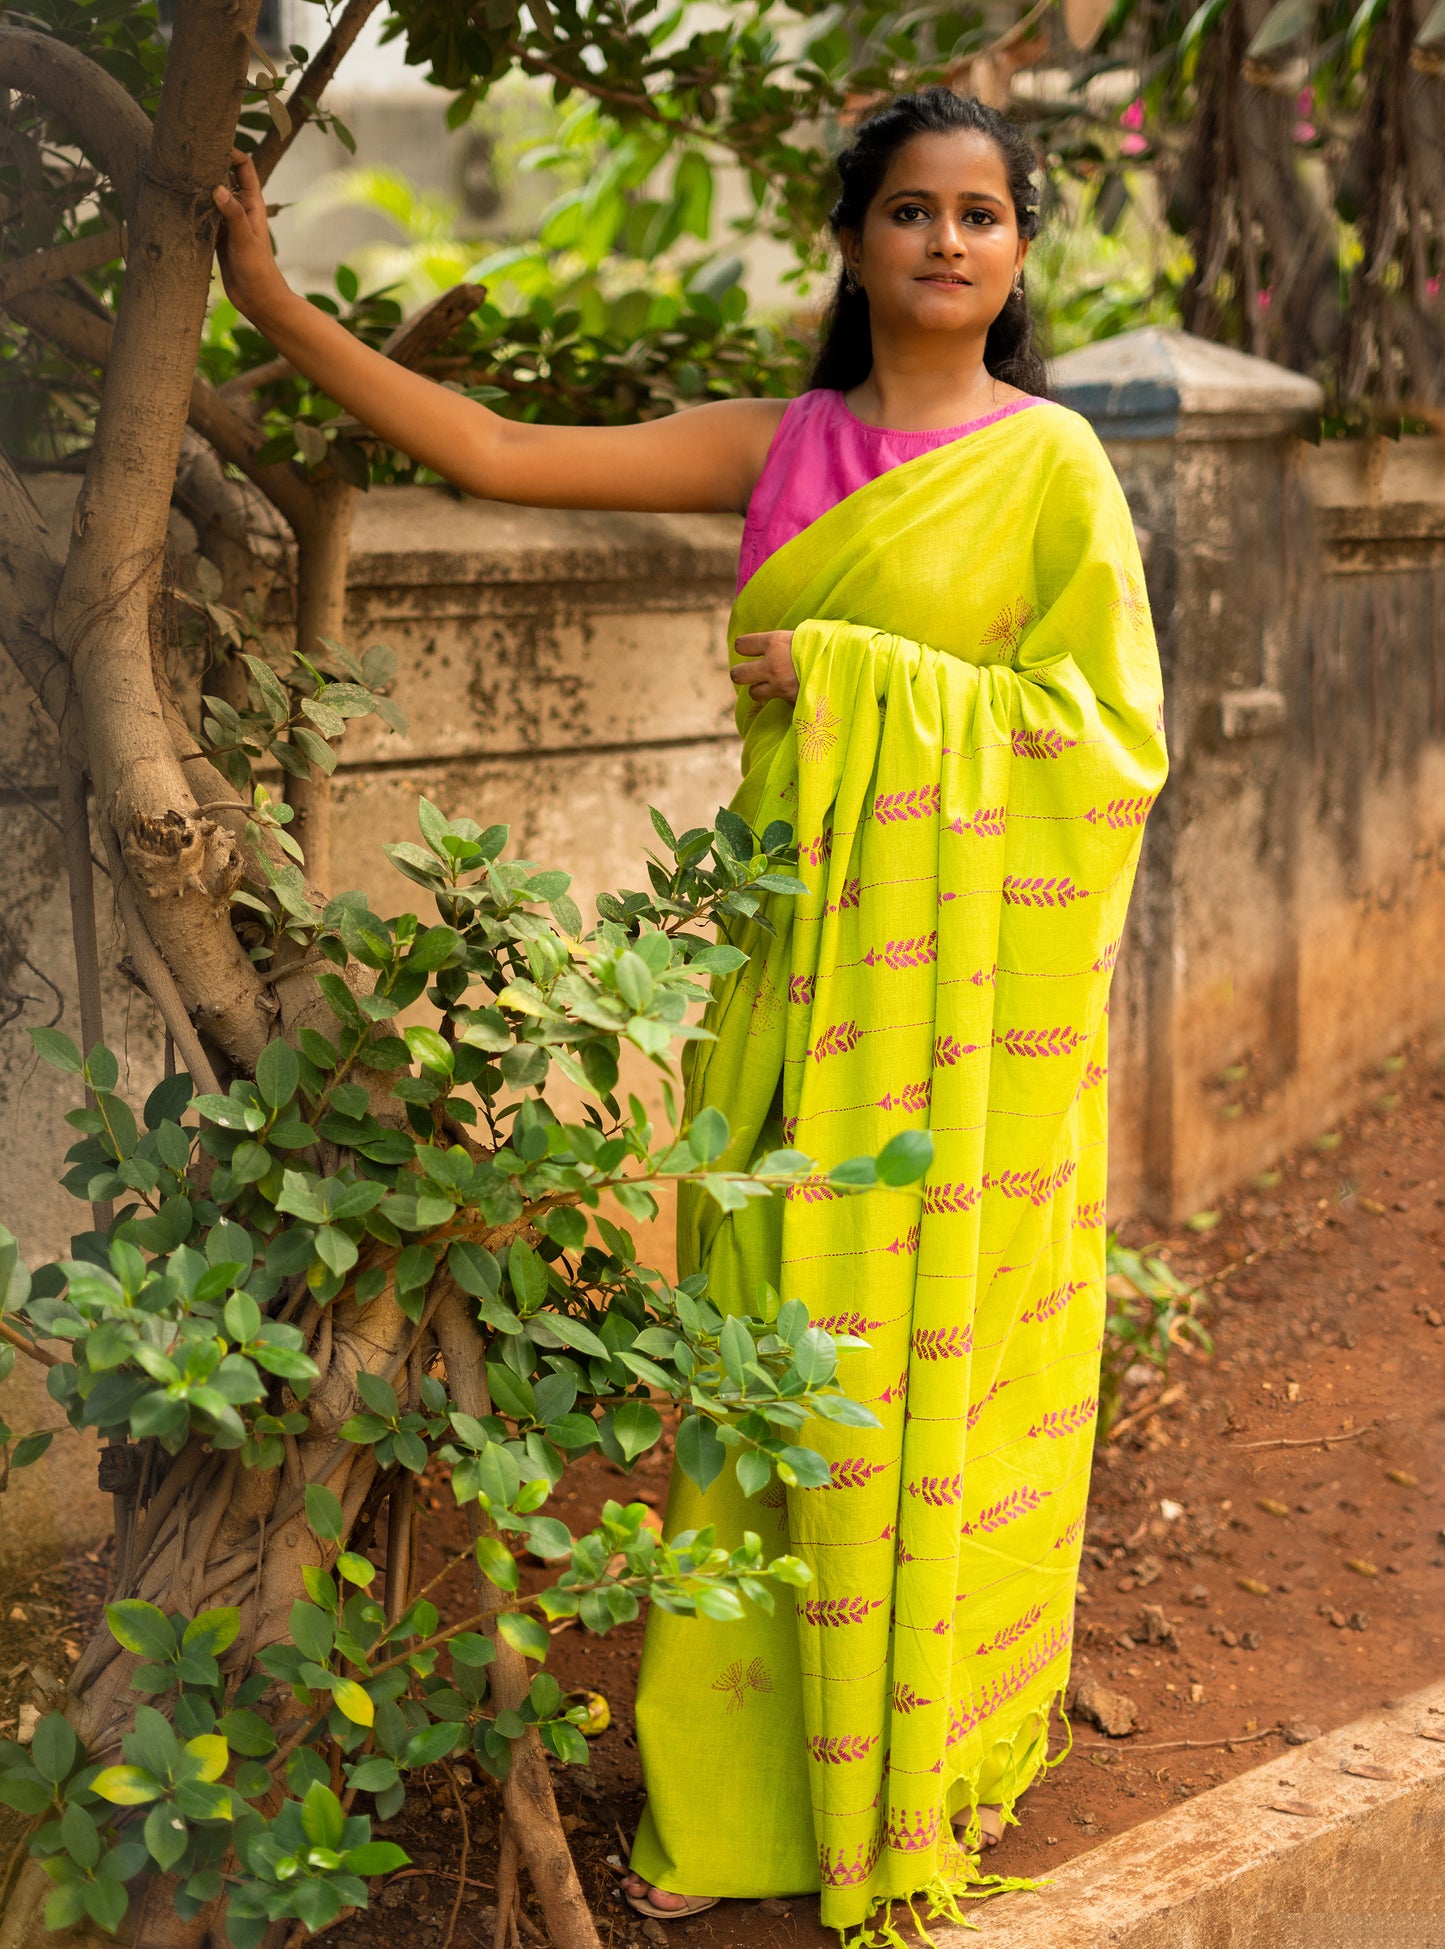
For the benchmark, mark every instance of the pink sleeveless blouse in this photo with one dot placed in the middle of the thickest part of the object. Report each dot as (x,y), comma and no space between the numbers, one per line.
(821,453)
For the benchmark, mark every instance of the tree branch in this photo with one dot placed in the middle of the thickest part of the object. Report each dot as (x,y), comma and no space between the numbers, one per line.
(313,83)
(60,261)
(113,131)
(159,982)
(29,578)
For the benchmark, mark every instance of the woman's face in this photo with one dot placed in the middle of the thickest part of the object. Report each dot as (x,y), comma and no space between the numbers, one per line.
(940,245)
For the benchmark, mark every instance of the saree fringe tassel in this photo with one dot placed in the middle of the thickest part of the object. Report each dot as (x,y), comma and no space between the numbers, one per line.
(977,740)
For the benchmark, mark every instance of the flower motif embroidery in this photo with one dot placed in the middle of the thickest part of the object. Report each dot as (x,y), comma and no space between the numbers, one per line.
(1008,626)
(1131,603)
(819,733)
(740,1680)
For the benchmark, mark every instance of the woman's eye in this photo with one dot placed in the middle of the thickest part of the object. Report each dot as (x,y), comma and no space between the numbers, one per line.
(986,215)
(907,211)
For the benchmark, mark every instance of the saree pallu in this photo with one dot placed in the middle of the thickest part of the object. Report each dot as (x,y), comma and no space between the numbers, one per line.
(977,740)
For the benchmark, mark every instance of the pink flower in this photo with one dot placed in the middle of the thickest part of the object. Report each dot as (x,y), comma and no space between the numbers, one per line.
(1432,287)
(1132,119)
(1262,299)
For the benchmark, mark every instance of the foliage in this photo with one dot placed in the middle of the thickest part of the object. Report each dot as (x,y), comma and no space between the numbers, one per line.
(1152,1314)
(348,1172)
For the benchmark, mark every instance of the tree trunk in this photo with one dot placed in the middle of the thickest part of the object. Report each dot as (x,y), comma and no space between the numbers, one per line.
(323,544)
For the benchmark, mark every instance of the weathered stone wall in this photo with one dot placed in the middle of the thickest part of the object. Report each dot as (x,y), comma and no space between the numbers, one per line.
(563,671)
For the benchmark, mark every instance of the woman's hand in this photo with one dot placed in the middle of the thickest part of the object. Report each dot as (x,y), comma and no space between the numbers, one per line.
(249,270)
(773,674)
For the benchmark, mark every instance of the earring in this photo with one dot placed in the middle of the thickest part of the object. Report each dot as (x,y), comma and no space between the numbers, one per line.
(850,278)
(1018,286)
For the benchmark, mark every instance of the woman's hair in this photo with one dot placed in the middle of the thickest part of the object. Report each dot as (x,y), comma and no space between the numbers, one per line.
(846,355)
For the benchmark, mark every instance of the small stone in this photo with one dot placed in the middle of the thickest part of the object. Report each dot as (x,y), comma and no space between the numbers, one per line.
(1112,1712)
(772,1906)
(1252,1640)
(29,1720)
(1359,1620)
(1362,1566)
(1299,1732)
(18,1616)
(1149,1571)
(1198,1597)
(654,1931)
(1253,1586)
(1156,1628)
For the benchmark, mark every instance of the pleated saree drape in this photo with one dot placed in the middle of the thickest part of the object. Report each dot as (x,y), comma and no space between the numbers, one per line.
(975,746)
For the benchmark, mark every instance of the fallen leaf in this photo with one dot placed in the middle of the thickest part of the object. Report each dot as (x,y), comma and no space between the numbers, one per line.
(1373,1206)
(1403,1477)
(1271,1507)
(1305,1808)
(1367,1770)
(1254,1586)
(1437,1733)
(1361,1566)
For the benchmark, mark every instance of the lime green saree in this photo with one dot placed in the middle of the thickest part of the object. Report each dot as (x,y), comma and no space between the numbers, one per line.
(976,743)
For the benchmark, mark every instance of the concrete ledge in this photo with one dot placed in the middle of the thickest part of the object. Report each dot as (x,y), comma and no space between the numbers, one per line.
(1363,1867)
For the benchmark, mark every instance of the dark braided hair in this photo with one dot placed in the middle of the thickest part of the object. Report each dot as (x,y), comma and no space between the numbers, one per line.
(1010,353)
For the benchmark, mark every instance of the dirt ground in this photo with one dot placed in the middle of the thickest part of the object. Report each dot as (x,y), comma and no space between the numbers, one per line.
(1241,1574)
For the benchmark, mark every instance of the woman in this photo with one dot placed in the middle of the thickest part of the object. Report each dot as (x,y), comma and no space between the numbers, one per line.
(954,698)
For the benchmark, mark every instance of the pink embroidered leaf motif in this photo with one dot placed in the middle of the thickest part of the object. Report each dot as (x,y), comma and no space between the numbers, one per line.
(1024,892)
(912,1097)
(819,733)
(1122,812)
(1094,1074)
(943,1342)
(818,849)
(1054,1302)
(1107,959)
(1060,1041)
(897,1390)
(800,989)
(848,898)
(938,1491)
(915,953)
(987,823)
(1071,1535)
(1008,1509)
(964,1719)
(836,1040)
(844,1868)
(838,1749)
(852,1472)
(1041,744)
(985,977)
(1066,1421)
(830,1612)
(905,1699)
(1090,1217)
(765,1009)
(857,1324)
(810,1191)
(948,1050)
(740,1680)
(906,1246)
(918,802)
(789,791)
(909,1833)
(905,1555)
(951,1198)
(1036,1185)
(1011,1633)
(790,1130)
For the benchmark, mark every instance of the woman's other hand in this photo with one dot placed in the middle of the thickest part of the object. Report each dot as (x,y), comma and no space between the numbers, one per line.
(772,674)
(249,270)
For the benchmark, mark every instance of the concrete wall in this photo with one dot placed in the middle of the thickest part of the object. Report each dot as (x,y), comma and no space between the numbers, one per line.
(563,671)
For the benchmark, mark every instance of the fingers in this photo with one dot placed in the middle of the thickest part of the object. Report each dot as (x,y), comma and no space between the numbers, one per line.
(756,645)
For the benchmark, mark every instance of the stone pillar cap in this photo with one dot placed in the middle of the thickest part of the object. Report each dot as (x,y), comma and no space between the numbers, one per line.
(1160,383)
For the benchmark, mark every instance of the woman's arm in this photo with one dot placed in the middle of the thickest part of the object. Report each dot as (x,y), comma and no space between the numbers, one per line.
(704,460)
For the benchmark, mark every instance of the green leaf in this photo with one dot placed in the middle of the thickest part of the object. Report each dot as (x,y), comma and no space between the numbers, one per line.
(323,1511)
(373,1775)
(430,1744)
(374,1858)
(707,1135)
(278,1073)
(754,1471)
(527,1274)
(354,1702)
(905,1158)
(524,1634)
(636,1426)
(166,1835)
(322,1820)
(58,1050)
(700,1455)
(106,1902)
(496,1562)
(815,1357)
(212,1631)
(471,1648)
(141,1628)
(356,1569)
(127,1786)
(431,1050)
(53,1748)
(475,1269)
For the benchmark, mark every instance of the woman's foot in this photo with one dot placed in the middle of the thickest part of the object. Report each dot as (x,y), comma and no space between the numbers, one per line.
(990,1824)
(661,1903)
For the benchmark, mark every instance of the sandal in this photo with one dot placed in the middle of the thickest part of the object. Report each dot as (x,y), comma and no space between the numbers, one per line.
(692,1905)
(990,1825)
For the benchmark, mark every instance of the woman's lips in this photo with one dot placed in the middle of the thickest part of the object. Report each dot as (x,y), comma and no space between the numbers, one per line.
(934,278)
